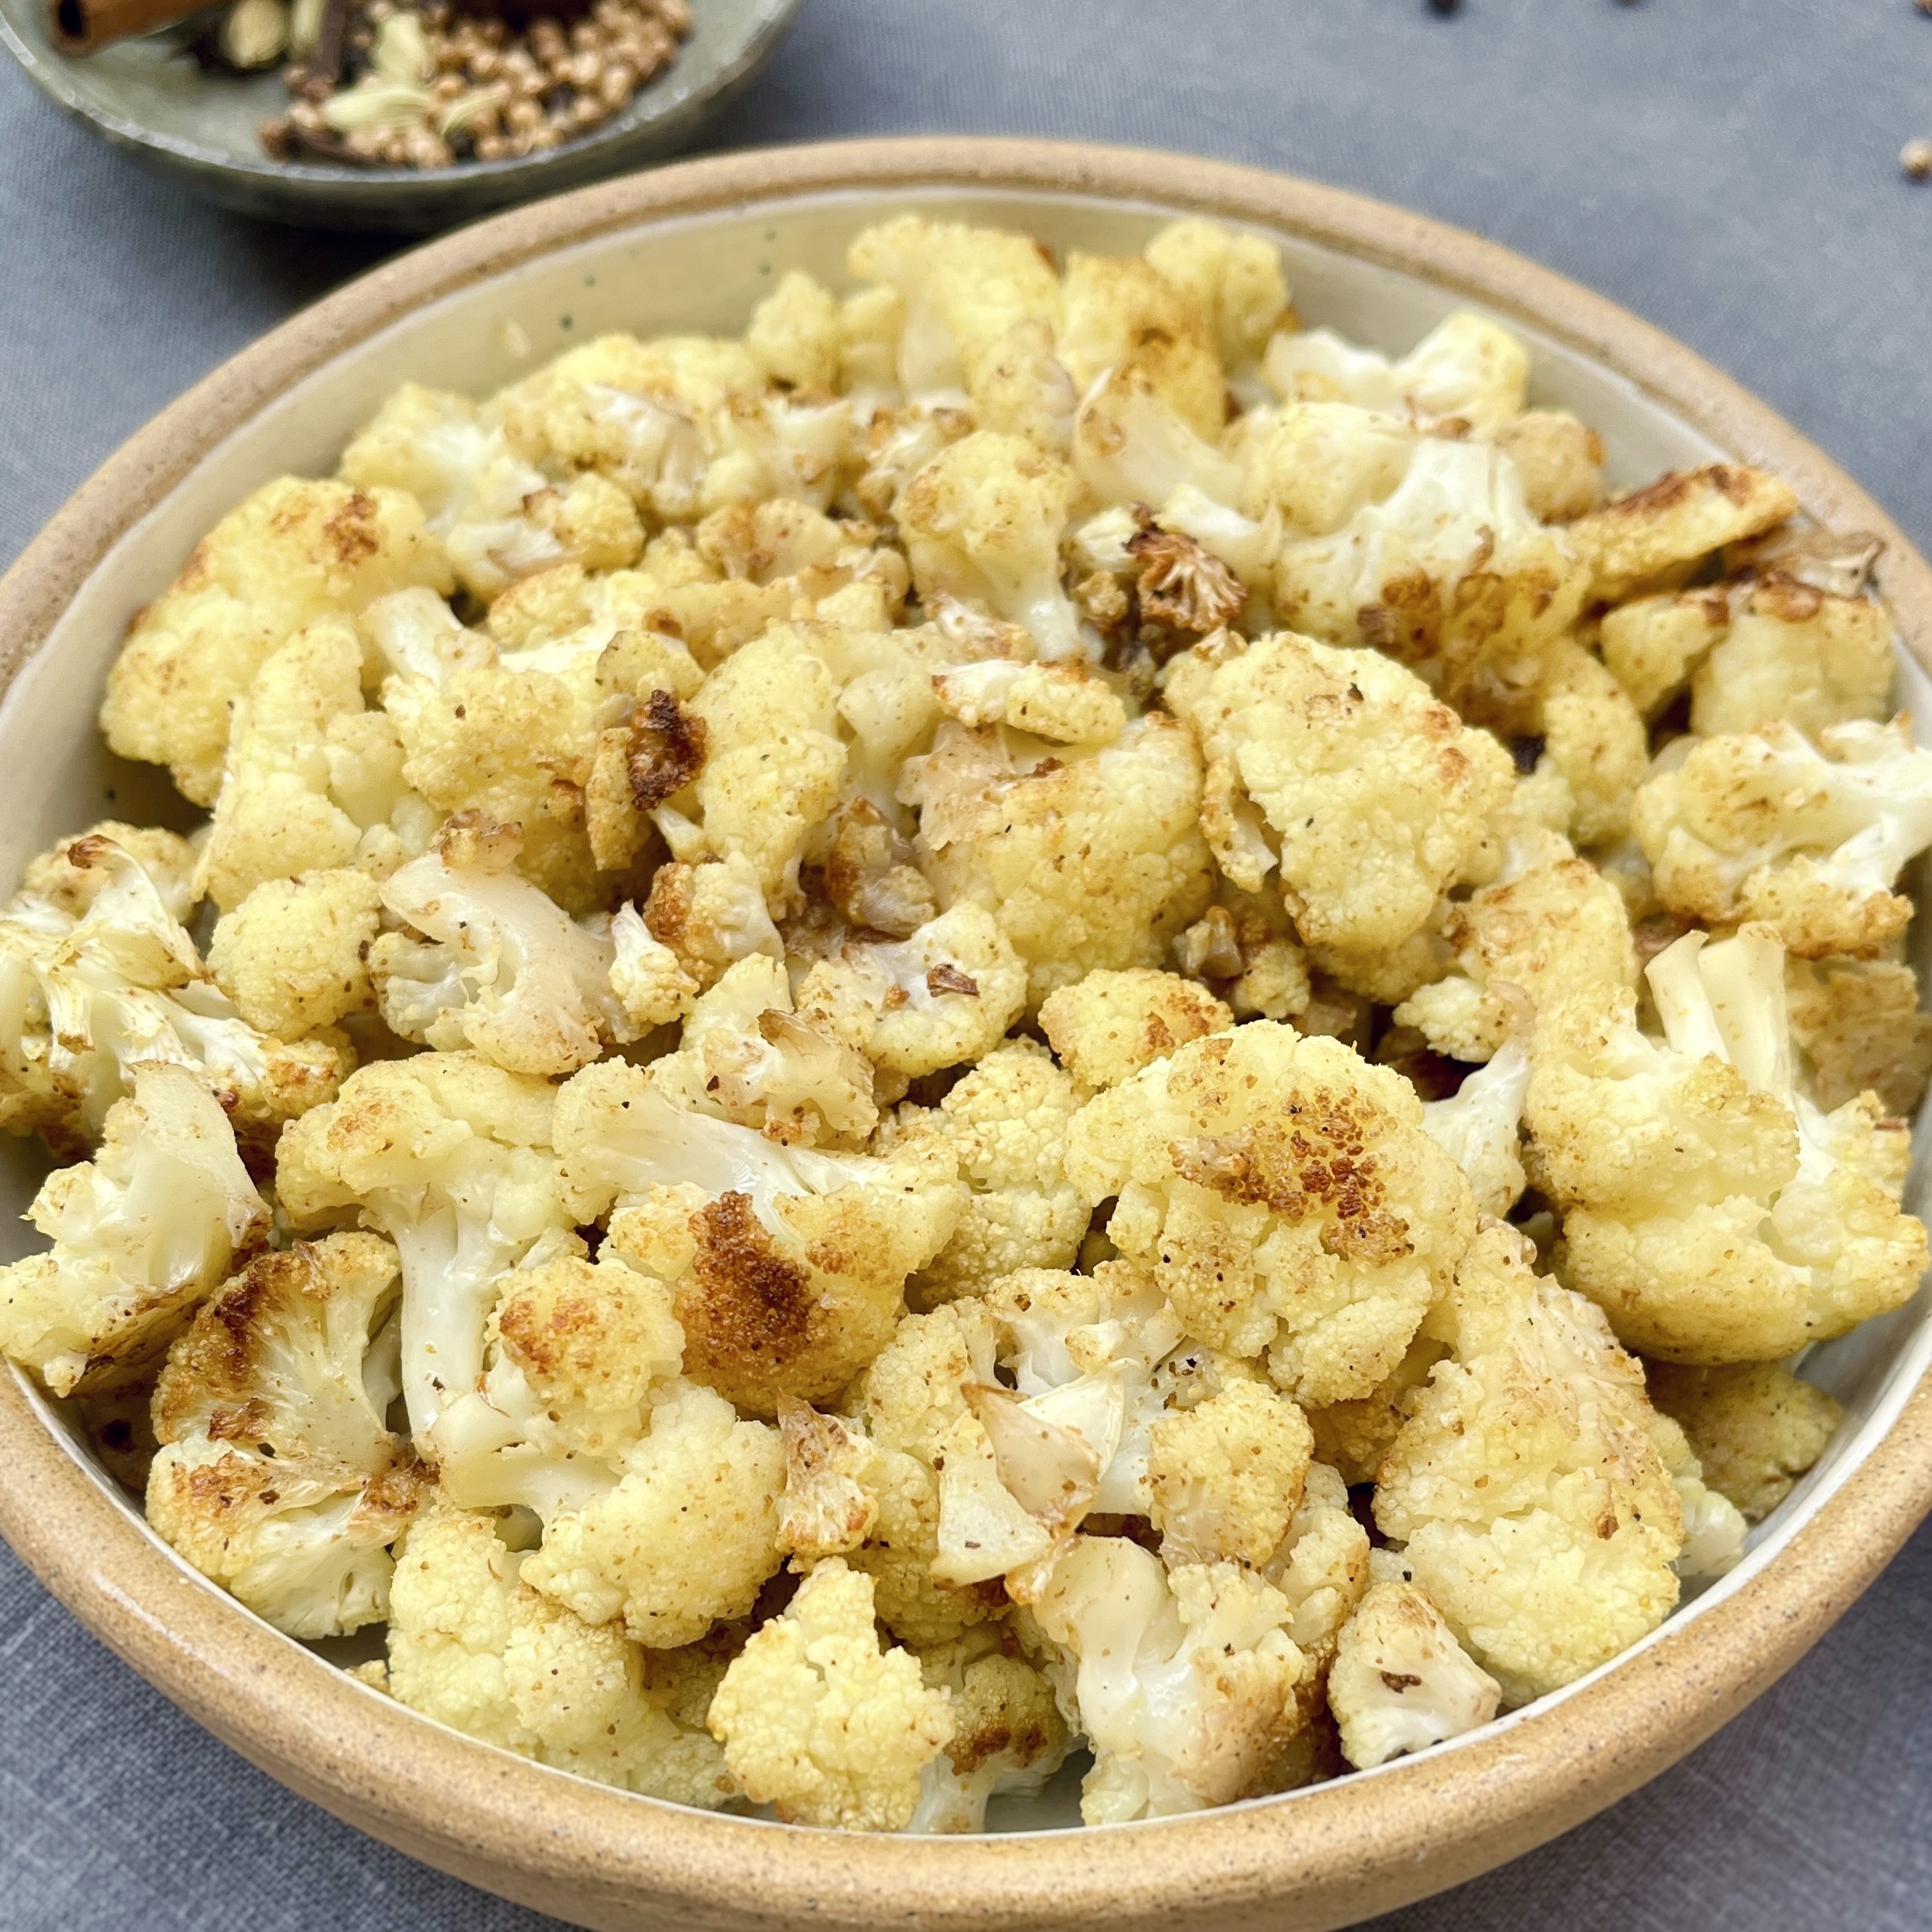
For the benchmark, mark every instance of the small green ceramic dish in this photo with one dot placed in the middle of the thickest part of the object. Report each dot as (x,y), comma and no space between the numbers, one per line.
(149,97)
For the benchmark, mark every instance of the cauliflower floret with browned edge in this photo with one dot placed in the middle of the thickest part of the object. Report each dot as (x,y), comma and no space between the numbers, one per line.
(1318,463)
(821,1721)
(1858,1025)
(1712,1210)
(1065,704)
(1753,1426)
(1763,824)
(1121,312)
(747,1055)
(1234,278)
(1007,1119)
(140,1235)
(473,1645)
(942,997)
(1525,1490)
(1008,1735)
(1109,1025)
(293,955)
(1400,1681)
(499,517)
(789,1264)
(499,967)
(1322,1568)
(1227,1475)
(1088,862)
(1338,769)
(830,1504)
(709,916)
(1549,926)
(452,1159)
(313,780)
(276,1475)
(686,1537)
(101,980)
(293,552)
(982,522)
(1560,459)
(1595,751)
(1654,536)
(1184,1681)
(1466,366)
(575,1355)
(1286,1199)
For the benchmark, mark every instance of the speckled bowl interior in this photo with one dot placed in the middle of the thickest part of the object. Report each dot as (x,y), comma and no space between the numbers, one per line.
(693,249)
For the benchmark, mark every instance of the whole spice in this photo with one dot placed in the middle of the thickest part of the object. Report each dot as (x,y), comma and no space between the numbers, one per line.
(381,85)
(1915,158)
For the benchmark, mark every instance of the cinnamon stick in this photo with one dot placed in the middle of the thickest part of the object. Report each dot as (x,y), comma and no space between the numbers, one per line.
(84,27)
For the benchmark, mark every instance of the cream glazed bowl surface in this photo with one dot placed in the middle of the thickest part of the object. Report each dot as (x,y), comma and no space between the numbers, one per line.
(695,247)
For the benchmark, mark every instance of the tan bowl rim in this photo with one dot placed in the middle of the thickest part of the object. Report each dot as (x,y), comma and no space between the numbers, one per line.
(1337,1851)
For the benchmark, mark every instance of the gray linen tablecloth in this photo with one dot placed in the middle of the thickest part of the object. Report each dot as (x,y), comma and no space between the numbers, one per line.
(1726,168)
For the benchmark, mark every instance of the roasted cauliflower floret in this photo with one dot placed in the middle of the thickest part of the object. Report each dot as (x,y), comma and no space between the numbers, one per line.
(1110,1025)
(1560,459)
(293,552)
(1550,926)
(1716,1213)
(1400,1681)
(1478,1127)
(1184,1681)
(1092,862)
(141,1234)
(1533,1508)
(1227,1475)
(293,955)
(313,780)
(1859,1028)
(1466,366)
(1763,824)
(1008,1735)
(1339,768)
(686,1537)
(1233,278)
(1655,535)
(1754,1428)
(1121,312)
(788,1265)
(475,1647)
(1286,1199)
(1007,1120)
(98,978)
(575,1355)
(499,967)
(452,1159)
(709,916)
(982,522)
(820,1722)
(794,334)
(276,1475)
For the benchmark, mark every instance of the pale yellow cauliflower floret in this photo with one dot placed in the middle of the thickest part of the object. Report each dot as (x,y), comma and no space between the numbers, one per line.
(1227,1475)
(1858,1026)
(821,1722)
(1094,861)
(794,333)
(1753,1426)
(1339,769)
(1286,1199)
(1008,1120)
(1560,459)
(1234,278)
(1400,1681)
(1122,314)
(686,1538)
(293,552)
(1108,1026)
(1530,1503)
(1764,825)
(293,955)
(472,1645)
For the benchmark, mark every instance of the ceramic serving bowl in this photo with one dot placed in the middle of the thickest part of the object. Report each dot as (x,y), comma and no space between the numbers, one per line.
(150,98)
(692,247)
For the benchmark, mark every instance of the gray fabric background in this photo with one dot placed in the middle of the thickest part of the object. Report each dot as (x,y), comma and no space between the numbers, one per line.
(1727,168)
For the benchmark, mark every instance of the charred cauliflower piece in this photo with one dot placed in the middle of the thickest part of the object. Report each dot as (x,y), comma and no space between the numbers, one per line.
(1008,1735)
(472,1645)
(293,552)
(1340,769)
(1110,1025)
(277,1475)
(1286,1197)
(141,1234)
(1656,536)
(1763,824)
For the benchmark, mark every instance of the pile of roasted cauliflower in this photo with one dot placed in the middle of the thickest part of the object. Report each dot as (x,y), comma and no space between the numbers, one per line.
(1033,1013)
